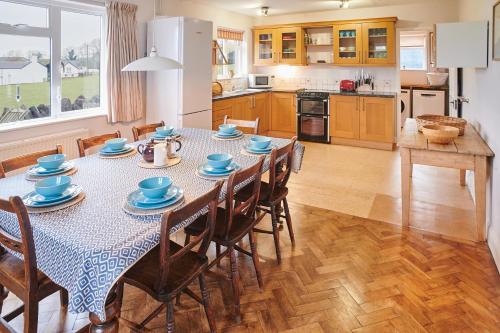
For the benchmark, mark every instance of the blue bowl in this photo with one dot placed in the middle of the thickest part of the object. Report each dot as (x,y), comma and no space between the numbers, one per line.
(227,128)
(260,142)
(155,187)
(51,162)
(219,161)
(116,144)
(52,186)
(165,130)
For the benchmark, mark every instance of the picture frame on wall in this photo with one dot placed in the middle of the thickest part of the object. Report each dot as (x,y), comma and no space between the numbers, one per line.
(496,31)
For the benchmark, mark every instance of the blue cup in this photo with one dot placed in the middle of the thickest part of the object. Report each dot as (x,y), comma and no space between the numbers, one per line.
(227,128)
(260,142)
(116,144)
(219,161)
(51,162)
(52,186)
(165,130)
(155,187)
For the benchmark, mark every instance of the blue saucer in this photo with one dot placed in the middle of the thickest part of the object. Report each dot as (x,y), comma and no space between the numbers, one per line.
(109,152)
(202,170)
(222,135)
(36,200)
(248,147)
(39,171)
(178,197)
(138,197)
(157,136)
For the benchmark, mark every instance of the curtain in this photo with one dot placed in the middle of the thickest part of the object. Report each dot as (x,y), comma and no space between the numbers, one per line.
(125,90)
(231,34)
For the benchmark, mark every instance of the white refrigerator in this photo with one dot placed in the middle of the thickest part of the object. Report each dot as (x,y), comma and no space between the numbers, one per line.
(182,98)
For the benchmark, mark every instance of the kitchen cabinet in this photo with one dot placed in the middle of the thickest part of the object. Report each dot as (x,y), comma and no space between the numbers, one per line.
(283,114)
(347,44)
(265,46)
(379,43)
(345,117)
(376,119)
(261,109)
(279,46)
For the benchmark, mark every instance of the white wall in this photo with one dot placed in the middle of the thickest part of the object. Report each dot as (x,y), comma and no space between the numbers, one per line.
(481,86)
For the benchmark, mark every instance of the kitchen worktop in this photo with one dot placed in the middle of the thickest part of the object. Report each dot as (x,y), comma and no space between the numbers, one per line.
(423,87)
(247,92)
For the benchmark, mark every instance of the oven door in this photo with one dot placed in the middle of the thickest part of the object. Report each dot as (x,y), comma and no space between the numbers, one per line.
(313,128)
(313,106)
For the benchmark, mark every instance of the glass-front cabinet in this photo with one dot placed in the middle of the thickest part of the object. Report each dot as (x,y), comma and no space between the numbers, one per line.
(279,46)
(348,44)
(378,43)
(265,52)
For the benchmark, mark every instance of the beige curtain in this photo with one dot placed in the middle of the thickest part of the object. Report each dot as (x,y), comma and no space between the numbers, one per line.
(226,33)
(125,91)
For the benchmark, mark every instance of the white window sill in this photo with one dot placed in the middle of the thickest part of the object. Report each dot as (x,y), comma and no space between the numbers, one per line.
(62,118)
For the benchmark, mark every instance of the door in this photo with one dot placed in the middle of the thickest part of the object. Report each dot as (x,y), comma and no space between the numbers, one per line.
(265,47)
(283,113)
(291,44)
(379,43)
(347,44)
(344,120)
(261,110)
(376,119)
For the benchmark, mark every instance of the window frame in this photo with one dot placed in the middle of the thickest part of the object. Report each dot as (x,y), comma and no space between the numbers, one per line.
(53,33)
(242,58)
(426,53)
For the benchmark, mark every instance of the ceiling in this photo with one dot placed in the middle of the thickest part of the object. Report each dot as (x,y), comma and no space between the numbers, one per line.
(280,7)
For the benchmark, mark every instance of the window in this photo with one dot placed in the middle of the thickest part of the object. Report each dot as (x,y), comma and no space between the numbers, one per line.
(50,60)
(413,52)
(230,60)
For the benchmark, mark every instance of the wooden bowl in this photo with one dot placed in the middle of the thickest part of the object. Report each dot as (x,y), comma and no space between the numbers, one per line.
(440,134)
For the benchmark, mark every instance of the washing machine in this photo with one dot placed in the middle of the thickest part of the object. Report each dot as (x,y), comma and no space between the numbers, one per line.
(405,105)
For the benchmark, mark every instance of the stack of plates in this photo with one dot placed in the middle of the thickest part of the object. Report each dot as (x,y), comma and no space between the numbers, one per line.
(137,199)
(38,171)
(35,200)
(106,151)
(234,135)
(258,151)
(207,170)
(159,137)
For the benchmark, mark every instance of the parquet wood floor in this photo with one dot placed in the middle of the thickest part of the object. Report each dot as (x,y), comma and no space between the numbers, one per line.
(345,274)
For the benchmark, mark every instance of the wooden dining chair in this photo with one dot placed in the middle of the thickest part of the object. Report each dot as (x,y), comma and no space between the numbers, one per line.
(251,124)
(167,270)
(232,225)
(149,128)
(23,161)
(21,276)
(274,193)
(84,144)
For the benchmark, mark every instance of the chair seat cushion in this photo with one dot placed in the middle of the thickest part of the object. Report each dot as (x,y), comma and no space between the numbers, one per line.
(145,273)
(265,195)
(239,228)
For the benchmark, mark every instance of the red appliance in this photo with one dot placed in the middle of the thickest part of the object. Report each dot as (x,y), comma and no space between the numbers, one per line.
(347,85)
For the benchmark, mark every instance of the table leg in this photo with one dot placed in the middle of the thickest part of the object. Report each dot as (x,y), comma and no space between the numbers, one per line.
(480,168)
(462,177)
(110,324)
(405,185)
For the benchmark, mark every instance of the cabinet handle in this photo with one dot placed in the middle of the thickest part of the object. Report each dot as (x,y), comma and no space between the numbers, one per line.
(428,95)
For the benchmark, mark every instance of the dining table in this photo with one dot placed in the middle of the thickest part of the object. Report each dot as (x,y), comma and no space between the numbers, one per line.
(87,247)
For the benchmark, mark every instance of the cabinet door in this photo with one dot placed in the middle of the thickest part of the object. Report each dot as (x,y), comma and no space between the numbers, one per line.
(379,43)
(265,52)
(347,44)
(344,122)
(261,110)
(290,46)
(376,121)
(221,109)
(283,115)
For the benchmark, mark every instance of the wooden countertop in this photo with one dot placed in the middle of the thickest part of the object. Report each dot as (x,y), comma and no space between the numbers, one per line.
(423,87)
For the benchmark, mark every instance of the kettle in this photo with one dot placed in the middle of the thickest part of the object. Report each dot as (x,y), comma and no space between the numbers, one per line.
(147,151)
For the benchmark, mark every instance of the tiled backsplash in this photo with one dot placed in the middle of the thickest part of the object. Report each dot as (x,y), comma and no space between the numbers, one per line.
(234,84)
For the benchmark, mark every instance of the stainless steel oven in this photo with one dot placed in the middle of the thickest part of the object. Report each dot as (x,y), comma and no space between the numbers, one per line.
(313,116)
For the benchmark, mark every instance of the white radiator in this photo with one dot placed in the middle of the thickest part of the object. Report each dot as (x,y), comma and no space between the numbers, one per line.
(66,139)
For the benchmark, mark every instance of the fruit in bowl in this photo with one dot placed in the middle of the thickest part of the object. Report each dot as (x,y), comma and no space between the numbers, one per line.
(52,186)
(219,161)
(51,162)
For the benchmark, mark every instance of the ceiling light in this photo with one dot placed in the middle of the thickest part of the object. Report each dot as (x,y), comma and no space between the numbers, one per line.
(153,62)
(344,3)
(264,10)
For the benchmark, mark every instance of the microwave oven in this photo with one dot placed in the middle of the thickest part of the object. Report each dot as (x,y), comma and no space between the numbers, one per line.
(259,81)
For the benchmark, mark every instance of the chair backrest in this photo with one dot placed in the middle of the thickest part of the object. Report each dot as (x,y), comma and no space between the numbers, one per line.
(26,160)
(172,220)
(280,166)
(234,183)
(149,128)
(25,245)
(84,144)
(253,124)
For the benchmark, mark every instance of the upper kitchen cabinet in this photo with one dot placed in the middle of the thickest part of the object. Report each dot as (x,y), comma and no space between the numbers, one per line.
(265,47)
(347,44)
(279,46)
(379,43)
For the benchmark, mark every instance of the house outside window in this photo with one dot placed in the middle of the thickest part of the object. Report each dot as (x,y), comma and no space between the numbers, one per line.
(414,52)
(50,60)
(231,53)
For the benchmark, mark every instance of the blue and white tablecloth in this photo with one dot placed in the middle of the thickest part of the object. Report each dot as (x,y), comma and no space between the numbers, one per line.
(87,247)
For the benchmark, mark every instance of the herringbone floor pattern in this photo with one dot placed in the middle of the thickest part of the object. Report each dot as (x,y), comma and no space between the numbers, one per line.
(345,274)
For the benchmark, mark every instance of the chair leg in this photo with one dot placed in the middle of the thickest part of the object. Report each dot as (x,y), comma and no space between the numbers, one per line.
(63,297)
(276,233)
(178,299)
(235,279)
(255,258)
(3,295)
(31,316)
(206,303)
(217,254)
(289,221)
(188,238)
(170,317)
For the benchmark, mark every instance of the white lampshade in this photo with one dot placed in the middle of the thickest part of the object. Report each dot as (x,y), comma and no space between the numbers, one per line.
(152,63)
